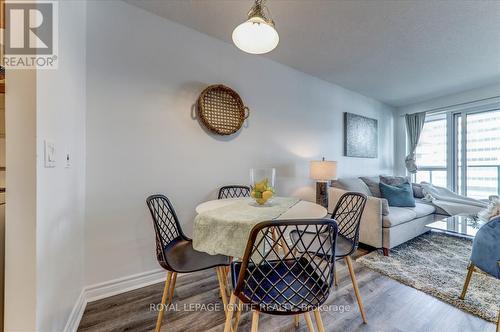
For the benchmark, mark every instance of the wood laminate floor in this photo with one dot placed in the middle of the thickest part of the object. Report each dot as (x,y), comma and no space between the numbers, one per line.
(389,305)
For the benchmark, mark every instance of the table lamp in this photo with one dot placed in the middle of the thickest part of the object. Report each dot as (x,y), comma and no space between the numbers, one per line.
(323,171)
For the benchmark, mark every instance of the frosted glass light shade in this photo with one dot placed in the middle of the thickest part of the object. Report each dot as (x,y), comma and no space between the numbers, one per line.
(323,170)
(255,36)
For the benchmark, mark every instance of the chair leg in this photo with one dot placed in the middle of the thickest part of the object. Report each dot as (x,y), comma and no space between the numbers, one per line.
(163,301)
(355,286)
(297,320)
(498,322)
(274,236)
(172,286)
(237,317)
(309,322)
(226,281)
(228,268)
(319,321)
(470,270)
(229,315)
(222,287)
(335,278)
(255,321)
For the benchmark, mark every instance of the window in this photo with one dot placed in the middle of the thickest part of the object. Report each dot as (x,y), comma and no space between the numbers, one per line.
(471,141)
(431,152)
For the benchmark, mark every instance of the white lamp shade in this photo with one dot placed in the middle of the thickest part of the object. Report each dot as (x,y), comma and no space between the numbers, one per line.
(323,170)
(255,36)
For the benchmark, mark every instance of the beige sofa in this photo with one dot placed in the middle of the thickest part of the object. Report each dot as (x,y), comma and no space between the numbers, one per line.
(384,226)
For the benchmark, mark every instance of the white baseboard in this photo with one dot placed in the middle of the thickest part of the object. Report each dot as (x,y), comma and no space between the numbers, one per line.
(76,314)
(125,284)
(110,288)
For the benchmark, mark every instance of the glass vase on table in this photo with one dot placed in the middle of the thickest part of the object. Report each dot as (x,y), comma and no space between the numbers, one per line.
(262,184)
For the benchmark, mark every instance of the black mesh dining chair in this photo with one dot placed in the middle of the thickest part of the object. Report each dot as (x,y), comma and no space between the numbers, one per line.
(233,191)
(175,253)
(347,214)
(275,278)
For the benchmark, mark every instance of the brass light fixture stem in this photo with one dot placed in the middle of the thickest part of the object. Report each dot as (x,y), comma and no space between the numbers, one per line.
(257,10)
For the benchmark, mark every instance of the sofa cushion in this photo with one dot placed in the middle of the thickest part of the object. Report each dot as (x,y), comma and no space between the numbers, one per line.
(437,209)
(351,184)
(398,215)
(401,195)
(423,210)
(373,184)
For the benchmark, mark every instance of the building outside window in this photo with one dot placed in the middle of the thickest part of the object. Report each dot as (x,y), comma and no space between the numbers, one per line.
(451,140)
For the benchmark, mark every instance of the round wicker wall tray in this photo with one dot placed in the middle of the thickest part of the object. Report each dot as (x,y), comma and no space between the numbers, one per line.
(221,109)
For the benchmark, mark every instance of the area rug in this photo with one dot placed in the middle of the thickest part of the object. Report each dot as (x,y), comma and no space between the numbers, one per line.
(436,264)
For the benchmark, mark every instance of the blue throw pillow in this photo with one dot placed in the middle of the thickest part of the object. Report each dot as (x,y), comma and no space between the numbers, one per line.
(401,195)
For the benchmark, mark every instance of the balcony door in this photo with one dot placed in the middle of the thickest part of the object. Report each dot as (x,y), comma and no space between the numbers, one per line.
(477,146)
(461,151)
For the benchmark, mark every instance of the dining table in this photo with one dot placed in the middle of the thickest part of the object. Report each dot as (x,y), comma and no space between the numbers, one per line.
(223,226)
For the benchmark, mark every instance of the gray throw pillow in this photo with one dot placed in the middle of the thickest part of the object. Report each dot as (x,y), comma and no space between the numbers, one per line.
(372,183)
(418,191)
(394,180)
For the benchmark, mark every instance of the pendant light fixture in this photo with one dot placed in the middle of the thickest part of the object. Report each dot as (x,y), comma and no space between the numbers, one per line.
(257,35)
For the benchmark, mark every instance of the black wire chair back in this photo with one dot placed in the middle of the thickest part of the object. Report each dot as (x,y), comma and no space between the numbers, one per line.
(274,277)
(347,214)
(234,191)
(166,226)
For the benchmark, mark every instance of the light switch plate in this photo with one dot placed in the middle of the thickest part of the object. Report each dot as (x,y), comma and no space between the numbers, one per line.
(67,159)
(50,153)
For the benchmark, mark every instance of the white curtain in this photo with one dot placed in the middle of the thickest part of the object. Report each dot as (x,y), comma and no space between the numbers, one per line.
(414,124)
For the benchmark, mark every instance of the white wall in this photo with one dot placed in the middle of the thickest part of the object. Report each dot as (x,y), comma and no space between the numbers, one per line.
(142,81)
(20,227)
(445,101)
(61,105)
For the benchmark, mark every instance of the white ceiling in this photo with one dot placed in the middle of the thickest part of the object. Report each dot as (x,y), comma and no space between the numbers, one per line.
(399,52)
